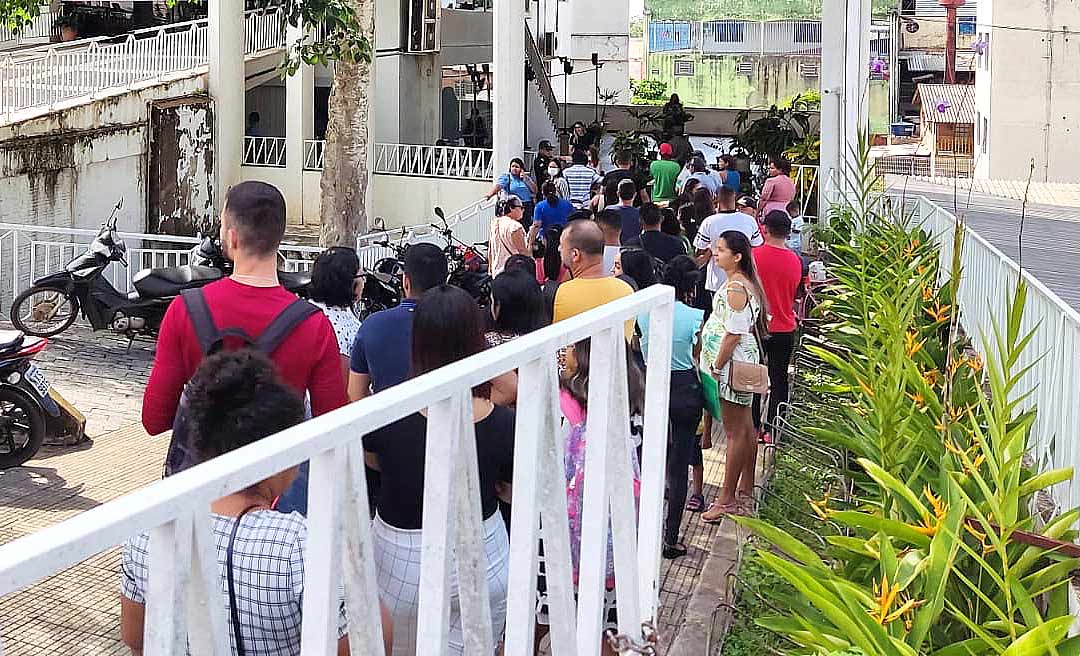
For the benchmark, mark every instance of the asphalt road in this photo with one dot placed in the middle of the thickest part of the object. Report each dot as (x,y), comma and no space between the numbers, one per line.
(1051,235)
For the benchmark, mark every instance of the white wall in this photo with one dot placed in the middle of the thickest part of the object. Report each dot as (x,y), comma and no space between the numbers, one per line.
(1032,100)
(403,200)
(70,169)
(585,27)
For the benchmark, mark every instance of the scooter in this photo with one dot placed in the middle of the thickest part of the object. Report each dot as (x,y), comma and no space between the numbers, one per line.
(28,411)
(53,304)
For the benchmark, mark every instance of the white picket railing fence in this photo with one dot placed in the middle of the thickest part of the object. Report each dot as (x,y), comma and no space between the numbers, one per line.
(185,586)
(434,161)
(989,279)
(43,76)
(28,252)
(264,151)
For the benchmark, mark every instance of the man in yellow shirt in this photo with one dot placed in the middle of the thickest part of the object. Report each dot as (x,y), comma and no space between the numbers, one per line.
(581,247)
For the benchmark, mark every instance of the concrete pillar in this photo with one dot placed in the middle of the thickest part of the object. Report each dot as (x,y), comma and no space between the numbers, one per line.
(508,120)
(226,86)
(299,126)
(845,85)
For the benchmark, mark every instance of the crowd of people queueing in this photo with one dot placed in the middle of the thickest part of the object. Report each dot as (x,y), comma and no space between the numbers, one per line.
(242,359)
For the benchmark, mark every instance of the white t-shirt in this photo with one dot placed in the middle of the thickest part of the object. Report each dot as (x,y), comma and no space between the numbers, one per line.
(609,258)
(716,225)
(794,240)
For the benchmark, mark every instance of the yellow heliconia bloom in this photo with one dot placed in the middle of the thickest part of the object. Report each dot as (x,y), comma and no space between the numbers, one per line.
(885,596)
(917,397)
(951,447)
(927,291)
(911,346)
(931,377)
(820,508)
(930,523)
(939,312)
(975,362)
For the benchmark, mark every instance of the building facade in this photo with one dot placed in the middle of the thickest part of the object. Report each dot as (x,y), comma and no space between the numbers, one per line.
(1027,91)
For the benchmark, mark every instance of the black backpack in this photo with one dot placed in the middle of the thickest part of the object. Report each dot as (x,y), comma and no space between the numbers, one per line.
(211,341)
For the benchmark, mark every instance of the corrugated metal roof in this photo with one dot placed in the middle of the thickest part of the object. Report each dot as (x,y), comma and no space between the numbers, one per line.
(935,62)
(934,8)
(959,99)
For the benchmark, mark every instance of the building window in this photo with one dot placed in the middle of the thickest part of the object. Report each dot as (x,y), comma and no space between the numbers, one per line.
(684,68)
(727,31)
(808,32)
(985,135)
(965,25)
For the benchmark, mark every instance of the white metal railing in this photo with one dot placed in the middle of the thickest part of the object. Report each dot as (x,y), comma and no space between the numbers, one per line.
(185,581)
(29,252)
(1051,358)
(264,151)
(805,177)
(761,38)
(313,154)
(433,161)
(924,166)
(43,76)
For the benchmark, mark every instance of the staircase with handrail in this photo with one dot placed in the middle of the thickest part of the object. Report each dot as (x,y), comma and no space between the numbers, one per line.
(540,74)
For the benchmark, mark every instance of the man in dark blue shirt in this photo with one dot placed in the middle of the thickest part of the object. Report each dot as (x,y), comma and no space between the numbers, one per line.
(382,353)
(629,215)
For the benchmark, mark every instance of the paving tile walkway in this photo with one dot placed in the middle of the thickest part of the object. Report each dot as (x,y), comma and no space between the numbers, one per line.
(77,611)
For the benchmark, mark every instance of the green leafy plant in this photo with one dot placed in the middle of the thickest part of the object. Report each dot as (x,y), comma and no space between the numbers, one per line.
(649,92)
(766,134)
(935,553)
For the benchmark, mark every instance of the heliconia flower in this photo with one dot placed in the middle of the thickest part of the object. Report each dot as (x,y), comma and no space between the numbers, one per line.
(911,345)
(820,508)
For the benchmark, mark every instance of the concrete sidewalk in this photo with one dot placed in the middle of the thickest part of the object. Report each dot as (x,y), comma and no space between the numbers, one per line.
(1044,193)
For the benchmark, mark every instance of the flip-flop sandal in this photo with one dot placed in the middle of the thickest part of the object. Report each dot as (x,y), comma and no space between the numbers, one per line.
(696,503)
(673,551)
(726,509)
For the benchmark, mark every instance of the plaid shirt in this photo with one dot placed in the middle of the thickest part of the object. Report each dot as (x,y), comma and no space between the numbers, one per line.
(268,570)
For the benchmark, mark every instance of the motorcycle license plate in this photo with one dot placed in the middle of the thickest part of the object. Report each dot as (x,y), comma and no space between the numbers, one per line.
(37,380)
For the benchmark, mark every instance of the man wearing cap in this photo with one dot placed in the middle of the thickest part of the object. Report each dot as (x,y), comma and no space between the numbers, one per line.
(664,172)
(544,153)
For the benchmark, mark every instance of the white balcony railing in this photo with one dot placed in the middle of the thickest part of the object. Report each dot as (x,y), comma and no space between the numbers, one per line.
(43,76)
(264,151)
(313,154)
(1050,360)
(184,603)
(433,161)
(40,29)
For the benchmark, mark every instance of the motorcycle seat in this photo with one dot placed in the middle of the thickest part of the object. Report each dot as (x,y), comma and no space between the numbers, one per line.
(294,281)
(170,281)
(11,341)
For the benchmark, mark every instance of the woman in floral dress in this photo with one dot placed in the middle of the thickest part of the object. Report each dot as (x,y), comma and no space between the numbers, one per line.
(728,335)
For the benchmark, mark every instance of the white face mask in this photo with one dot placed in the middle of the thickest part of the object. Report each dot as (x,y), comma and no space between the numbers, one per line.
(553,172)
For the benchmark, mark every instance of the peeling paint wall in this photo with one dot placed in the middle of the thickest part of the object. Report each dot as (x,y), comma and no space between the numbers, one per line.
(181,171)
(68,169)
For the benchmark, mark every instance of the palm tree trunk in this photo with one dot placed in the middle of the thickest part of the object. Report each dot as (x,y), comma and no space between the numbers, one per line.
(345,165)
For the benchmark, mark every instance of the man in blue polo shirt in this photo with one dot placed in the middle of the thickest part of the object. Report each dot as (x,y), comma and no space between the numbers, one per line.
(382,352)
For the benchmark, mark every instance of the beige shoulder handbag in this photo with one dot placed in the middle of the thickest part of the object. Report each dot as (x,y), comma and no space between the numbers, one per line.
(750,377)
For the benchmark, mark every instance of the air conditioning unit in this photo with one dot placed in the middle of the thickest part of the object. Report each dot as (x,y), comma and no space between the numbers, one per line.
(810,69)
(423,26)
(684,68)
(745,67)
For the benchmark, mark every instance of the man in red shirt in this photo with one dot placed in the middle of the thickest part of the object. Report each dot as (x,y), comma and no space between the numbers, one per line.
(780,271)
(252,226)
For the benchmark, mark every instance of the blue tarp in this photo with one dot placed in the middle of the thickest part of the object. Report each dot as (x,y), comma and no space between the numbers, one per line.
(666,36)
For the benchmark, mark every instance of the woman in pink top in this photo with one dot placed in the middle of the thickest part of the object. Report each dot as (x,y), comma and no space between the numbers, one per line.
(779,189)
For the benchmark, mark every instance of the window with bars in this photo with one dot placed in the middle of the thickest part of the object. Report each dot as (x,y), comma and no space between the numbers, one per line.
(684,68)
(423,26)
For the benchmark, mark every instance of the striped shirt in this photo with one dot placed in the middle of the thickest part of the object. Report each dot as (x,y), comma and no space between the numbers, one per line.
(268,570)
(580,178)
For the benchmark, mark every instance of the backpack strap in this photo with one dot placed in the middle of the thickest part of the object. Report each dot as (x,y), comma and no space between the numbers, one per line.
(283,324)
(206,331)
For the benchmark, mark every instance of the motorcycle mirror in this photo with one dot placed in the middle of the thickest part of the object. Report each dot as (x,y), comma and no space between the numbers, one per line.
(439,213)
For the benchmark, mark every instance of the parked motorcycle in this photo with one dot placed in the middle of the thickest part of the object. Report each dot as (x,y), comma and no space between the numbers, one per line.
(53,304)
(209,253)
(468,266)
(27,410)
